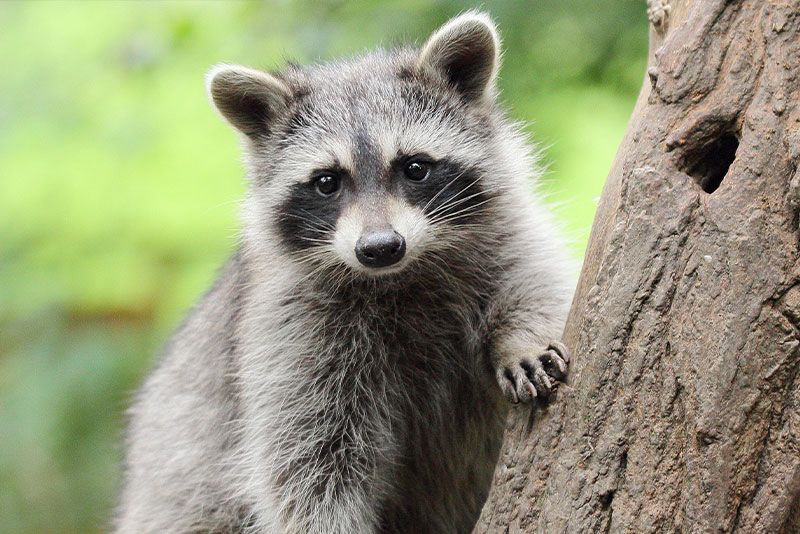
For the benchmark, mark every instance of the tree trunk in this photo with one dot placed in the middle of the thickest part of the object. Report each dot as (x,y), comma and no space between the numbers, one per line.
(682,413)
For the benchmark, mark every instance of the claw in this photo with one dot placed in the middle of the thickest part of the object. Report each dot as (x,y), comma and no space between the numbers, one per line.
(554,364)
(560,349)
(542,382)
(506,380)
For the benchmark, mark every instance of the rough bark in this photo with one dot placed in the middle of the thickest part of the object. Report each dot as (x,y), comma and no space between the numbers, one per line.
(682,413)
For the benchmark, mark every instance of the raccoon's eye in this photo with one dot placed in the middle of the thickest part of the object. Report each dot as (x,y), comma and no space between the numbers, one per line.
(327,184)
(417,170)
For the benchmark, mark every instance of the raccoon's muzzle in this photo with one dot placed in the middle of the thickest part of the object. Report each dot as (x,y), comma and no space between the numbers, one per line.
(380,248)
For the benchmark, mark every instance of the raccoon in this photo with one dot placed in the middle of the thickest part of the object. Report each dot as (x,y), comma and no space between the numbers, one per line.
(398,281)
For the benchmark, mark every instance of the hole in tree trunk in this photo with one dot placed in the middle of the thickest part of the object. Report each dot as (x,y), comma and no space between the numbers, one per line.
(709,164)
(606,499)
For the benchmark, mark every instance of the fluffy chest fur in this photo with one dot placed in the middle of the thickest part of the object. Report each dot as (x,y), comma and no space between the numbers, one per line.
(389,392)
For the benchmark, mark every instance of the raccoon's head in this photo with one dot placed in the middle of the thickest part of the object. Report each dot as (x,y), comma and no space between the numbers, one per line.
(378,163)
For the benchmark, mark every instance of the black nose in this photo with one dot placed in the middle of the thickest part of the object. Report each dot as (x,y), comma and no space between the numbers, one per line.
(380,248)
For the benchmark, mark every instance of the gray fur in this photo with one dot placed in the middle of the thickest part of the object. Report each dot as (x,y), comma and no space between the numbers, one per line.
(306,395)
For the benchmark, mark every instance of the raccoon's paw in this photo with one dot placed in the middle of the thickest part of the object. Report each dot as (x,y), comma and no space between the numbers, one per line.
(527,379)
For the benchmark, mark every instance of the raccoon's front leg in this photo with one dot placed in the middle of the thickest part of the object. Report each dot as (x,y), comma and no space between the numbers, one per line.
(525,375)
(320,497)
(326,468)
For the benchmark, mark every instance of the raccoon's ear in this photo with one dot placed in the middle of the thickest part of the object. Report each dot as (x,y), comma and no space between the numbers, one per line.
(466,51)
(247,98)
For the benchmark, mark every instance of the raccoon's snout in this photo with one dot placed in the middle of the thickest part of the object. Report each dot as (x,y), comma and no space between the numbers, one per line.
(380,248)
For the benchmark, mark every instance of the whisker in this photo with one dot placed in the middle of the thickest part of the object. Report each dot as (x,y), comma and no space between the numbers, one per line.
(311,225)
(459,175)
(453,198)
(324,222)
(460,201)
(463,212)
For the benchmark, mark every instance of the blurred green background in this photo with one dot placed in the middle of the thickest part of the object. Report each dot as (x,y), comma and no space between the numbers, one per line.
(119,189)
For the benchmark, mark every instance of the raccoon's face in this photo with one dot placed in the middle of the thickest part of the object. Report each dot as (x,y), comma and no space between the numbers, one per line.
(378,163)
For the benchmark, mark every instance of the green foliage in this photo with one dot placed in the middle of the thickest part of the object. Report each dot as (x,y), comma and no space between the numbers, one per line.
(119,189)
